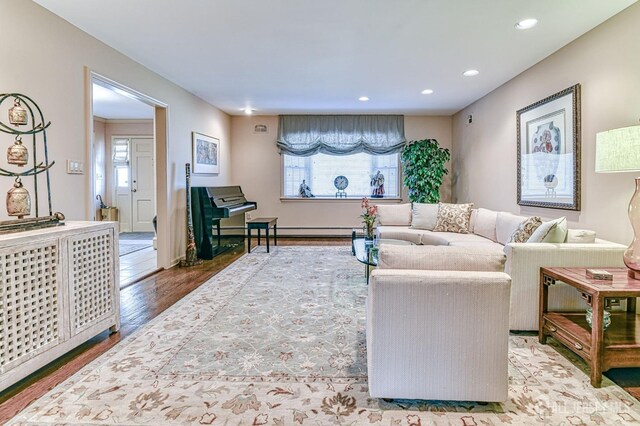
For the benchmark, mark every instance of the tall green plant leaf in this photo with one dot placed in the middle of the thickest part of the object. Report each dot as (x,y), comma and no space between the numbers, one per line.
(423,163)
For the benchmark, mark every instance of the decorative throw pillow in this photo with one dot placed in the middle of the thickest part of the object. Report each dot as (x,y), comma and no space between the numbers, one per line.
(424,216)
(583,236)
(557,234)
(541,235)
(453,218)
(525,230)
(394,214)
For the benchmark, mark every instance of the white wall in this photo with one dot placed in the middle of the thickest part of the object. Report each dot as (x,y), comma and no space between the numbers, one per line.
(256,166)
(49,66)
(605,61)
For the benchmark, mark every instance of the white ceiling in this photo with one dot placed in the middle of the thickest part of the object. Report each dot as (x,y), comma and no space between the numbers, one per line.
(114,104)
(305,56)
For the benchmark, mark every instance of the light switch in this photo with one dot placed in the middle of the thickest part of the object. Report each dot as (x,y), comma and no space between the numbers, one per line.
(75,167)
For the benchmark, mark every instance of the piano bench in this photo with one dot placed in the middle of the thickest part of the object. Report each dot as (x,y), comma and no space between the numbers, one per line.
(263,223)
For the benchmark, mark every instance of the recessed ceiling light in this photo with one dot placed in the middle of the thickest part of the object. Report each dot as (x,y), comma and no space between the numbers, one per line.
(363,99)
(427,92)
(470,73)
(525,24)
(248,111)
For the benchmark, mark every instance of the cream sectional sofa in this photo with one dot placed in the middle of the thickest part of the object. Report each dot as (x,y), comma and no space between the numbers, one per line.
(492,232)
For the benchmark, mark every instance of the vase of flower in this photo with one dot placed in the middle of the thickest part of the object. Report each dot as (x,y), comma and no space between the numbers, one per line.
(369,216)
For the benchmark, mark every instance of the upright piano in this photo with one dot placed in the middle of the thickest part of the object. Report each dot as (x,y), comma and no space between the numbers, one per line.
(210,204)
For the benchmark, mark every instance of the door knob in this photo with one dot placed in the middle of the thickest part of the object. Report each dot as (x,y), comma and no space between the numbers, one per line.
(134,190)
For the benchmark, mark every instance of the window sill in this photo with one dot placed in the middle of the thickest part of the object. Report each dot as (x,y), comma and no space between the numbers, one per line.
(386,200)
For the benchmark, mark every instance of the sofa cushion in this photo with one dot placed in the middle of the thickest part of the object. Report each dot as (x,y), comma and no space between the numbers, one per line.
(424,216)
(485,243)
(401,233)
(526,228)
(429,238)
(447,258)
(553,231)
(394,214)
(583,236)
(506,225)
(452,237)
(453,218)
(485,224)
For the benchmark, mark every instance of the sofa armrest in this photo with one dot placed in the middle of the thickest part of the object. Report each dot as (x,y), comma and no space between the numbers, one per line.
(524,261)
(438,334)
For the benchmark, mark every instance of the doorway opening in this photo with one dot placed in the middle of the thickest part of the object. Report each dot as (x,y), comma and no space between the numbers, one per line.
(128,131)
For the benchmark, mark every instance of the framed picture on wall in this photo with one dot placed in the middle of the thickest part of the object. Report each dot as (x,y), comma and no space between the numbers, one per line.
(549,151)
(206,153)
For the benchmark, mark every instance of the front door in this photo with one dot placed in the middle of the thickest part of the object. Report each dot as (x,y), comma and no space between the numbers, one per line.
(143,200)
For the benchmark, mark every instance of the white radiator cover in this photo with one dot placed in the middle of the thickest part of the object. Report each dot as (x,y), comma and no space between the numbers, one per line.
(59,288)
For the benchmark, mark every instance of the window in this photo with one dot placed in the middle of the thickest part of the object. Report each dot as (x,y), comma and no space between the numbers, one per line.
(319,171)
(121,162)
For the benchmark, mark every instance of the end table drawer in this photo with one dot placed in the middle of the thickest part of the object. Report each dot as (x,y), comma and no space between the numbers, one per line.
(567,339)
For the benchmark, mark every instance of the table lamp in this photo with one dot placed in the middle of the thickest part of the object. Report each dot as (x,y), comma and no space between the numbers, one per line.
(618,150)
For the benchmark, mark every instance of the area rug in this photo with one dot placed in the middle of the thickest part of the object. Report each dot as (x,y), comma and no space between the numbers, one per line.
(279,339)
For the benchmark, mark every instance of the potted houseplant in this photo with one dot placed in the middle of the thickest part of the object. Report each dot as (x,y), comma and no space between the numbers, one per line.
(423,166)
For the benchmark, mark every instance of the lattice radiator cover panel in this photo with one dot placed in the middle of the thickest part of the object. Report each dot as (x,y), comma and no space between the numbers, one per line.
(29,301)
(91,278)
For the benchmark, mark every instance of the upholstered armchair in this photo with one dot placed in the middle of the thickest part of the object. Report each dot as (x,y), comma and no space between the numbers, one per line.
(438,333)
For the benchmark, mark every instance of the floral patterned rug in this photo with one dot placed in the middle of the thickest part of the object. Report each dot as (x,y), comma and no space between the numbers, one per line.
(278,339)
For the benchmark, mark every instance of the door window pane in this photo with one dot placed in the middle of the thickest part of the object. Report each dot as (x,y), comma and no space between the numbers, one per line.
(122,176)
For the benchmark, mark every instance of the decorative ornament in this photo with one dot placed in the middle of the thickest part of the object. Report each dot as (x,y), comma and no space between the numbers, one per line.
(341,183)
(191,257)
(17,114)
(17,153)
(304,191)
(377,185)
(18,200)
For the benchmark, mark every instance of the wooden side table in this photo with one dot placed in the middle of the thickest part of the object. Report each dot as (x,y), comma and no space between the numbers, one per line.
(263,223)
(619,345)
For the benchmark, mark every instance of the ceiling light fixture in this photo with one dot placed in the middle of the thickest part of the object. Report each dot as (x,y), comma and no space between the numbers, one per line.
(525,24)
(427,92)
(363,99)
(470,73)
(248,111)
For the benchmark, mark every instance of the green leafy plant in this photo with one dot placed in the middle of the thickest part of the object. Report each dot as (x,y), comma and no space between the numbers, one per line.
(423,163)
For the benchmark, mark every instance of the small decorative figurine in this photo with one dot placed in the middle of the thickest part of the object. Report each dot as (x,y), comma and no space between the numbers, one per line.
(17,114)
(17,153)
(305,191)
(377,185)
(18,200)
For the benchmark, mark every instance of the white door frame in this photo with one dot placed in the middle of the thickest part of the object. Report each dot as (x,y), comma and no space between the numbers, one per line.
(160,136)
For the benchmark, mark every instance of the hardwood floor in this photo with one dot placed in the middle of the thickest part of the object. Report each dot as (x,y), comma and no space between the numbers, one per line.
(140,303)
(143,301)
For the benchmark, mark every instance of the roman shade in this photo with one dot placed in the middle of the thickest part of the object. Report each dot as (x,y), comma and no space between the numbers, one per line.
(305,135)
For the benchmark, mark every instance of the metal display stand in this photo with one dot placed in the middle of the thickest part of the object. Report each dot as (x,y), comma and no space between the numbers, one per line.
(27,113)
